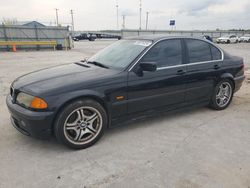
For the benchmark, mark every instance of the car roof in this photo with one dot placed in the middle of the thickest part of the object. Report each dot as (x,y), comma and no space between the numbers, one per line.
(160,37)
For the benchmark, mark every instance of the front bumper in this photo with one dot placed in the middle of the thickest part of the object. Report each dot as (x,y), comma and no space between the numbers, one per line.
(30,123)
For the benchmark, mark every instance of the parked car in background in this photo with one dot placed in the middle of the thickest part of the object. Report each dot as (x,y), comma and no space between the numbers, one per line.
(85,36)
(133,77)
(207,37)
(245,38)
(228,39)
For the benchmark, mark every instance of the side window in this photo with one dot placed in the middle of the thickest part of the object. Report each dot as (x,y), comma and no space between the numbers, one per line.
(165,53)
(216,53)
(198,50)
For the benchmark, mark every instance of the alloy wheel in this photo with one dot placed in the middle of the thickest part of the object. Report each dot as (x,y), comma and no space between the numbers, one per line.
(224,94)
(83,125)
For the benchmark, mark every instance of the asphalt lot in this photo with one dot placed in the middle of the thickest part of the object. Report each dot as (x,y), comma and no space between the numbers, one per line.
(190,149)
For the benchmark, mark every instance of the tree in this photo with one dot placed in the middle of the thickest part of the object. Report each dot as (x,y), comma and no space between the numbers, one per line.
(9,21)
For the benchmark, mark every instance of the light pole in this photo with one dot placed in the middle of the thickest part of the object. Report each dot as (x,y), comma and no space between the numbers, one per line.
(147,20)
(72,20)
(124,21)
(57,23)
(140,15)
(117,15)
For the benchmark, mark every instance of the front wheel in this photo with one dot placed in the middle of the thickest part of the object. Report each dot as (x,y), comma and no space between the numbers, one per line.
(81,124)
(222,95)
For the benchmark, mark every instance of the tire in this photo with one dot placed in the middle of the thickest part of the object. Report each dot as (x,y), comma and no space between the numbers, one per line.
(221,99)
(228,41)
(81,124)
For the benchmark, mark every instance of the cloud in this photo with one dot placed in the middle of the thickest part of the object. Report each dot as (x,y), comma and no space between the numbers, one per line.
(99,14)
(128,12)
(199,7)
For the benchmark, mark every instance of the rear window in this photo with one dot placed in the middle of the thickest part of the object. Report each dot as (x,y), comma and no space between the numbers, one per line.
(216,53)
(198,51)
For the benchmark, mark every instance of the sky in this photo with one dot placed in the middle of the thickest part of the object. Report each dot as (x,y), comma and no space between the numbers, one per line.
(101,14)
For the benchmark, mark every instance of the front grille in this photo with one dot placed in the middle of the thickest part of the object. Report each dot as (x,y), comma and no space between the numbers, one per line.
(11,91)
(13,94)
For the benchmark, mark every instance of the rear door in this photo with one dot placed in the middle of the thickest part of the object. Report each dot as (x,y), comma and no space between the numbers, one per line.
(203,66)
(162,88)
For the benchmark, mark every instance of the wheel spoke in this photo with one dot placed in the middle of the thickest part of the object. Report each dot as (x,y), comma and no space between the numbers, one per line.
(82,114)
(92,118)
(82,132)
(78,134)
(217,97)
(73,124)
(74,127)
(91,128)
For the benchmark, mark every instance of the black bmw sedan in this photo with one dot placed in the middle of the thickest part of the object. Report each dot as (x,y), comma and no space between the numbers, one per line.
(76,102)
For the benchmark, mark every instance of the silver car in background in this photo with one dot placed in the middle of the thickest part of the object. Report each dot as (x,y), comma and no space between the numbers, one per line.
(228,39)
(245,38)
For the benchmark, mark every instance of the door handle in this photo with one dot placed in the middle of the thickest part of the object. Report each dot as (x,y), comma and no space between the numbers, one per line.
(216,67)
(181,72)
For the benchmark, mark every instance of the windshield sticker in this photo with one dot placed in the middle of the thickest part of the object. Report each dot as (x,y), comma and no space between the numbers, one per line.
(143,43)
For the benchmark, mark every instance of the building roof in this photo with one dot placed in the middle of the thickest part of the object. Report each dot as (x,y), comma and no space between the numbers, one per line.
(33,24)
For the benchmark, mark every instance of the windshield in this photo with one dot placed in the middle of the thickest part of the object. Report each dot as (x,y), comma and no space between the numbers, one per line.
(120,54)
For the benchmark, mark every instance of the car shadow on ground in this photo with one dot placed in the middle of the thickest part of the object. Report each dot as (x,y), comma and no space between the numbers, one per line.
(51,145)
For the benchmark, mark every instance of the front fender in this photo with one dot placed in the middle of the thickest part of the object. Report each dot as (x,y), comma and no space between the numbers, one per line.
(56,102)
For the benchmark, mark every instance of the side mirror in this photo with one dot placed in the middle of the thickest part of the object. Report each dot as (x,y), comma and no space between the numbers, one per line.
(148,66)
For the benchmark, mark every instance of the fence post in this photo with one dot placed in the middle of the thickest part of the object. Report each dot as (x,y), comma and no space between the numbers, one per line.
(37,38)
(5,36)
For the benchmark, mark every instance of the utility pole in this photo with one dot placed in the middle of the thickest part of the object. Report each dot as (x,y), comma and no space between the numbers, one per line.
(124,22)
(57,23)
(117,15)
(140,15)
(147,20)
(72,21)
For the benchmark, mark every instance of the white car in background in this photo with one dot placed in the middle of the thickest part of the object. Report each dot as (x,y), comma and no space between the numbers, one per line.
(245,38)
(228,39)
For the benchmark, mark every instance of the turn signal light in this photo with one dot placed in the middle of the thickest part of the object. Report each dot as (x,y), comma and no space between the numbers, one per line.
(38,103)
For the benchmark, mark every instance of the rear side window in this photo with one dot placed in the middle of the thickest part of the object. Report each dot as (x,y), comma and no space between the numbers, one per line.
(216,54)
(165,53)
(198,51)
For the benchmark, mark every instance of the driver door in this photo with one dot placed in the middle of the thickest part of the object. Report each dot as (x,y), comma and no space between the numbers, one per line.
(163,88)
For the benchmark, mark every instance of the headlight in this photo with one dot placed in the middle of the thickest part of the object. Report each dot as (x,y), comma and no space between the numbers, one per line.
(31,101)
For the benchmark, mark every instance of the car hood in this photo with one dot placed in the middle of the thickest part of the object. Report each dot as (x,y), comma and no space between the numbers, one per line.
(54,78)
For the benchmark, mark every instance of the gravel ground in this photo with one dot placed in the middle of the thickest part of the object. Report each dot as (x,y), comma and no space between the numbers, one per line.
(190,149)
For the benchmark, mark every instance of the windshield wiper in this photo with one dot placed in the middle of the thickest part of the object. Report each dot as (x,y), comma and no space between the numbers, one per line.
(98,64)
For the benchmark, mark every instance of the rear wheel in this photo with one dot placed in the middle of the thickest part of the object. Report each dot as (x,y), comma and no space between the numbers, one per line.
(222,95)
(81,124)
